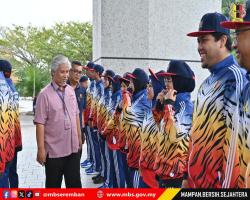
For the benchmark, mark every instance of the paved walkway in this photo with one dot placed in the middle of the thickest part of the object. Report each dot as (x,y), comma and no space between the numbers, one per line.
(31,174)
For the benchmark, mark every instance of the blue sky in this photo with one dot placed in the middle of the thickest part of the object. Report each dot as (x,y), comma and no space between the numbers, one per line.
(44,12)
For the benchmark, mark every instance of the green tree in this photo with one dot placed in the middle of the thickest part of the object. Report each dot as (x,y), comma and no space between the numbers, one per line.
(26,85)
(31,49)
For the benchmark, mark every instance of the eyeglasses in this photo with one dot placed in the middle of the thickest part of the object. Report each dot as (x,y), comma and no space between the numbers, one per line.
(237,32)
(168,80)
(76,71)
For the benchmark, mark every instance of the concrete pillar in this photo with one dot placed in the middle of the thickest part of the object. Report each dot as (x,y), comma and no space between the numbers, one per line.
(143,33)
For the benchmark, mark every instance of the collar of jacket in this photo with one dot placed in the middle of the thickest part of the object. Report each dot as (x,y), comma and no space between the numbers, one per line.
(228,61)
(138,94)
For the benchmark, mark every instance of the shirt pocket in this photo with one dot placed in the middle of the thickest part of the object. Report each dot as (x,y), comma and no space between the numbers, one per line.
(56,109)
(73,104)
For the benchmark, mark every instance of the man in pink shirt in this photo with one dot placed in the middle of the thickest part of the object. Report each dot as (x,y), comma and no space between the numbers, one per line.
(58,128)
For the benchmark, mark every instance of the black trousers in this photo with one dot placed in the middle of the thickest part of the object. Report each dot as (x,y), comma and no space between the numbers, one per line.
(69,167)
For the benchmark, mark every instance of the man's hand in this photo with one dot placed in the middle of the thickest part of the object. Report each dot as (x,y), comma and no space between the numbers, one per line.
(171,94)
(91,124)
(83,135)
(185,184)
(150,91)
(160,96)
(41,156)
(80,143)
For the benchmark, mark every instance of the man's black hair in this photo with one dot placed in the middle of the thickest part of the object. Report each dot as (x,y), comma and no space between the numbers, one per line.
(218,36)
(75,62)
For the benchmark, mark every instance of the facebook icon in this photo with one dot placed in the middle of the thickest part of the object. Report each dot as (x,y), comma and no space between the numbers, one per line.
(6,194)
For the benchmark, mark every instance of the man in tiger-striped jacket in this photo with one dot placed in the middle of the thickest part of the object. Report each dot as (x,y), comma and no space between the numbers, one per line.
(213,150)
(105,103)
(109,129)
(134,110)
(102,118)
(113,131)
(89,162)
(176,113)
(97,95)
(12,173)
(149,136)
(242,34)
(9,139)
